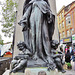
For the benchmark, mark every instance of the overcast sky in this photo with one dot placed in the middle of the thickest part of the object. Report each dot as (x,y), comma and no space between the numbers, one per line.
(59,4)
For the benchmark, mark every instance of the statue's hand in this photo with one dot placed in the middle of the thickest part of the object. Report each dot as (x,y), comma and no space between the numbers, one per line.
(23,23)
(49,17)
(51,67)
(24,28)
(16,57)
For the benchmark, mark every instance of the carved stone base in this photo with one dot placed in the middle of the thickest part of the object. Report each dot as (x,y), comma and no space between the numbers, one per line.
(17,73)
(35,63)
(38,71)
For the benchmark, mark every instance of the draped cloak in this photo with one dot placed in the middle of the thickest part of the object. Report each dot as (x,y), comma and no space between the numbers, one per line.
(39,20)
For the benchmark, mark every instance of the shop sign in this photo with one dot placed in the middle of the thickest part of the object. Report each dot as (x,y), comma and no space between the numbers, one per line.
(66,40)
(73,38)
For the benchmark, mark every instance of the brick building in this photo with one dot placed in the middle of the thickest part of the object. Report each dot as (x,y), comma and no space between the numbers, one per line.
(66,23)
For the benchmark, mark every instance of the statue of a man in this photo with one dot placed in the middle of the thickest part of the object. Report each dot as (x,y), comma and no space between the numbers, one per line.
(38,28)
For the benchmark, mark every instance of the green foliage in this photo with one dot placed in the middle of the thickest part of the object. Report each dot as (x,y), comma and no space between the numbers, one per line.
(0,37)
(1,41)
(68,64)
(8,12)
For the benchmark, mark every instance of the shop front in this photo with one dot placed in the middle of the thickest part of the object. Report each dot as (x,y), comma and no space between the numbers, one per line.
(68,42)
(73,41)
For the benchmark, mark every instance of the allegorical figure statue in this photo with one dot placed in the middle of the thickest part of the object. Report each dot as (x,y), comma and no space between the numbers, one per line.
(38,27)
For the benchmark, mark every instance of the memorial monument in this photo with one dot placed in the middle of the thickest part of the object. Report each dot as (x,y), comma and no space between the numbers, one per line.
(38,49)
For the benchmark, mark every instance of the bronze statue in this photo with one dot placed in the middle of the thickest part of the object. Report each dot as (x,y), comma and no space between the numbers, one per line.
(57,56)
(20,62)
(38,27)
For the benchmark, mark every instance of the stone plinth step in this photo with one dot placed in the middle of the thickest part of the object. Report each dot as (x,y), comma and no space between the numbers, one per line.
(17,73)
(38,71)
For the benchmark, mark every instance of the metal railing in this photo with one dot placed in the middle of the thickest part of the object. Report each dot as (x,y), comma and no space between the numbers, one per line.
(4,64)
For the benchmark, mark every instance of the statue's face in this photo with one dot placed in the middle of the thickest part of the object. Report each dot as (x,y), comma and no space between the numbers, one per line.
(20,46)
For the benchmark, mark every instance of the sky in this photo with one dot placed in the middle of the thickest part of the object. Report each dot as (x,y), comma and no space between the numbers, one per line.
(59,5)
(6,39)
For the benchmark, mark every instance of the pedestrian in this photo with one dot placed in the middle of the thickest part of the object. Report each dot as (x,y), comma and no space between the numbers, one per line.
(72,54)
(68,56)
(73,58)
(74,62)
(61,49)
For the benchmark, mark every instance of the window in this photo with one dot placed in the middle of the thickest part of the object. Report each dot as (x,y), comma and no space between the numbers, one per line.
(59,17)
(67,32)
(60,35)
(68,20)
(71,31)
(63,24)
(63,34)
(62,15)
(59,25)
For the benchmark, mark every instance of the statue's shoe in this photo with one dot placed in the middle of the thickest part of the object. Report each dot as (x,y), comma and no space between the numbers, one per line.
(63,71)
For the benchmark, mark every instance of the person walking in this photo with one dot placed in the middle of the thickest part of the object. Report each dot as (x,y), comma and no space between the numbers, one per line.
(68,57)
(73,58)
(72,55)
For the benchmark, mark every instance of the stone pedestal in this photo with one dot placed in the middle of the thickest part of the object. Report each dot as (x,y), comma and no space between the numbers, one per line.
(41,71)
(17,73)
(38,71)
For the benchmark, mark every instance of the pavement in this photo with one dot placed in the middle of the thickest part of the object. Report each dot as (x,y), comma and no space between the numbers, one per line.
(72,71)
(6,72)
(69,72)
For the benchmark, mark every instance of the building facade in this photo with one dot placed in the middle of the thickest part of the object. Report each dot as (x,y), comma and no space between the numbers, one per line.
(66,22)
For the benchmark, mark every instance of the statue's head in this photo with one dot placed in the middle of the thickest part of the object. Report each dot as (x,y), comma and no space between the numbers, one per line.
(42,73)
(21,45)
(54,44)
